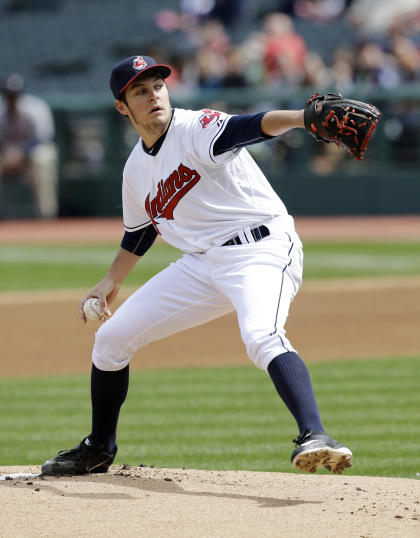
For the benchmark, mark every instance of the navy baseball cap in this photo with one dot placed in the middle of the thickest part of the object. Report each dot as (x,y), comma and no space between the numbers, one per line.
(126,71)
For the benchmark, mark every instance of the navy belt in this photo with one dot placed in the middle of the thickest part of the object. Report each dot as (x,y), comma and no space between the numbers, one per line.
(257,233)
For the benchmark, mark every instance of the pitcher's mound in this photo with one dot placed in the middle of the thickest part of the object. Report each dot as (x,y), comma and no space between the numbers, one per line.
(144,501)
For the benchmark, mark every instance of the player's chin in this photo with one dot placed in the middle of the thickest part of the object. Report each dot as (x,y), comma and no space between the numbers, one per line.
(159,122)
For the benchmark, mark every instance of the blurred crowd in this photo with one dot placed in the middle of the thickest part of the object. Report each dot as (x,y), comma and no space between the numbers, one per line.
(368,43)
(384,49)
(321,45)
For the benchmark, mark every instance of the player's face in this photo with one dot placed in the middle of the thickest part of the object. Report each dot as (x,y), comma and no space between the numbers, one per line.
(147,106)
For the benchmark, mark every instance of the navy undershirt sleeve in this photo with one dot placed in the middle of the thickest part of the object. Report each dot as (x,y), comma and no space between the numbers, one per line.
(140,241)
(240,131)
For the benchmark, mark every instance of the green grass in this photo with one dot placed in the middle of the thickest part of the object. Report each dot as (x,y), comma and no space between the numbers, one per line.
(224,418)
(24,267)
(352,259)
(38,267)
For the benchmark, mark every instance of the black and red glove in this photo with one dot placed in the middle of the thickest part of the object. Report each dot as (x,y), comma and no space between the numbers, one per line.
(348,123)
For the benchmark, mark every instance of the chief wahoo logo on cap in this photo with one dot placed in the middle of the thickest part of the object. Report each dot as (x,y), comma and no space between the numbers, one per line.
(139,63)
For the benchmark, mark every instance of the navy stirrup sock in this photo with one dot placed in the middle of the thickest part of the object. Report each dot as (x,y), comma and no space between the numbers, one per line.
(108,392)
(291,378)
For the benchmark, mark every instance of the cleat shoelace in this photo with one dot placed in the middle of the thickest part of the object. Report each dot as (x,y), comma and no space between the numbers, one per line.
(75,453)
(302,437)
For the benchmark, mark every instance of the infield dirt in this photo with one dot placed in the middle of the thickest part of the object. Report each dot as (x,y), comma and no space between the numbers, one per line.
(363,318)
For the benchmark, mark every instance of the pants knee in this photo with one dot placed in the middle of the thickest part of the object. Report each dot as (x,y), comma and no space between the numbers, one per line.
(110,353)
(264,347)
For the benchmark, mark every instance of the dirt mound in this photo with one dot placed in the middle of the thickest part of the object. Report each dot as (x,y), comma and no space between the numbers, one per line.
(144,501)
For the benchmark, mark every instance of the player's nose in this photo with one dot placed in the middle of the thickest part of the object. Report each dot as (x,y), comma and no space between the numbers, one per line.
(153,95)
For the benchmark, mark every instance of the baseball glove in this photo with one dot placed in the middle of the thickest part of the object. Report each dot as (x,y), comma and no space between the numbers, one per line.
(348,123)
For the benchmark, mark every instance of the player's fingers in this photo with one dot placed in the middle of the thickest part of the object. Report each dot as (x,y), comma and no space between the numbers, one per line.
(105,315)
(103,303)
(81,304)
(81,313)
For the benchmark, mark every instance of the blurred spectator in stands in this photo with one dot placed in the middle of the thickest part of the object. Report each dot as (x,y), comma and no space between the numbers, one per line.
(374,67)
(407,57)
(213,44)
(342,70)
(17,142)
(315,72)
(253,51)
(210,68)
(186,19)
(44,155)
(387,62)
(193,13)
(26,145)
(328,158)
(315,10)
(181,81)
(284,54)
(213,37)
(373,18)
(277,55)
(234,74)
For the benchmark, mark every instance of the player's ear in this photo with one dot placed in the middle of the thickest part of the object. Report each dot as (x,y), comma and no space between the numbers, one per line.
(121,107)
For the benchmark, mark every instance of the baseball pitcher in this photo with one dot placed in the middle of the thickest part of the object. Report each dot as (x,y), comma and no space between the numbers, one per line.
(191,180)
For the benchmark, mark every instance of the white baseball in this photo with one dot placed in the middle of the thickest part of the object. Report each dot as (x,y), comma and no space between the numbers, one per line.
(92,308)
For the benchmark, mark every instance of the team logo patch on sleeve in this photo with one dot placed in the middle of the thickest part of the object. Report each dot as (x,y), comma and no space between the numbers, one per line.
(169,194)
(210,117)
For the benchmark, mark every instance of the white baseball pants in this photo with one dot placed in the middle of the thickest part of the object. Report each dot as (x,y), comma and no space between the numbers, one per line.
(259,280)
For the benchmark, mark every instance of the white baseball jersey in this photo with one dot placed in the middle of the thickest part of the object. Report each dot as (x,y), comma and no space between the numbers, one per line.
(195,199)
(198,201)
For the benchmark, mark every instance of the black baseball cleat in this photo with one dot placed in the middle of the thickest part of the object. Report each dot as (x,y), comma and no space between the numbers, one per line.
(317,449)
(86,457)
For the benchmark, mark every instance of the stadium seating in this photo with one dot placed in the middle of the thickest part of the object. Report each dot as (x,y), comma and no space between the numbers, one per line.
(69,45)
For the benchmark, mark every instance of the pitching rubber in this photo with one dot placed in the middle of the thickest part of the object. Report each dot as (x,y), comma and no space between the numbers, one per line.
(12,476)
(333,459)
